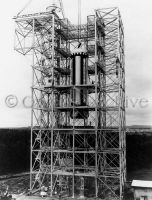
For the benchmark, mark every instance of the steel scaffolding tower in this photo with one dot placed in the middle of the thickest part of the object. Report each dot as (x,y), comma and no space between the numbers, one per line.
(70,141)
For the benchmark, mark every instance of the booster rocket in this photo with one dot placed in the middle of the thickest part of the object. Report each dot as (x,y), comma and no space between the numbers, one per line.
(79,77)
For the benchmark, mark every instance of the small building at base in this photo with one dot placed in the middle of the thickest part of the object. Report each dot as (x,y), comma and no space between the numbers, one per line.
(142,189)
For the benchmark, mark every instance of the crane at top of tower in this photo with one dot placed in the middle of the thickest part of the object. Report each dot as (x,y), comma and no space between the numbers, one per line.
(55,6)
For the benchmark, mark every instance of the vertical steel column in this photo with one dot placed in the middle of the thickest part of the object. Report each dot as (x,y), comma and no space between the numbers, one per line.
(52,106)
(31,152)
(73,144)
(96,109)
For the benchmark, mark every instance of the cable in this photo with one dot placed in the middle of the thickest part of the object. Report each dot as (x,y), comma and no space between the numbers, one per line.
(26,5)
(79,19)
(62,9)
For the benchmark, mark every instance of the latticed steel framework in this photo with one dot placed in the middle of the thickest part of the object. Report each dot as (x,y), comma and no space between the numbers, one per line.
(70,141)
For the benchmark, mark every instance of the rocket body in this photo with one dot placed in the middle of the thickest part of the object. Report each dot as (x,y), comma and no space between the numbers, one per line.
(79,78)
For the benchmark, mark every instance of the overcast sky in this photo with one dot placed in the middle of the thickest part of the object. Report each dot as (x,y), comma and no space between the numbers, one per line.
(15,70)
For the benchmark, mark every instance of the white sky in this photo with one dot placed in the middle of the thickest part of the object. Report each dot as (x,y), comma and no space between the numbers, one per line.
(15,70)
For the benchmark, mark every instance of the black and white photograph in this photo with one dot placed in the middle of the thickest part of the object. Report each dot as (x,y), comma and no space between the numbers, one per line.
(76,100)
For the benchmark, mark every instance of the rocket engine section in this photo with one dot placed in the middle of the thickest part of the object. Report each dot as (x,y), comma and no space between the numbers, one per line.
(79,77)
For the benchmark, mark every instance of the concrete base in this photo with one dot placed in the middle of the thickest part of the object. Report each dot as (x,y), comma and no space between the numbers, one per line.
(25,197)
